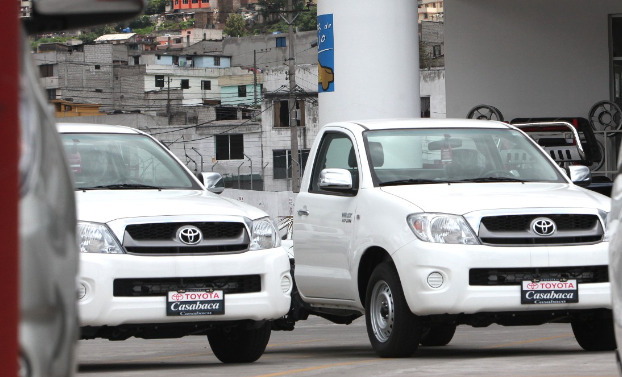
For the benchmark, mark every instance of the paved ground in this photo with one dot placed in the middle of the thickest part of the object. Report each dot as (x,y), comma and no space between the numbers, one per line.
(319,348)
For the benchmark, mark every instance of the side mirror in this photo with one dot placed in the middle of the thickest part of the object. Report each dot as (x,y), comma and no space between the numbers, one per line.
(335,180)
(580,175)
(213,182)
(47,15)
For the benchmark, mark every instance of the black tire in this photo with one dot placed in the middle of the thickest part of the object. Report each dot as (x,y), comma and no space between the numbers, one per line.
(485,112)
(393,330)
(594,334)
(239,344)
(438,335)
(605,116)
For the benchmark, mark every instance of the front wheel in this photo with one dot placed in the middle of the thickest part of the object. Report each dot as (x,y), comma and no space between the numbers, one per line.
(239,344)
(438,335)
(393,330)
(594,334)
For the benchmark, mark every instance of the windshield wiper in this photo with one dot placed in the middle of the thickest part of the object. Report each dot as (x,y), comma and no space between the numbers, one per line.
(493,179)
(412,182)
(122,186)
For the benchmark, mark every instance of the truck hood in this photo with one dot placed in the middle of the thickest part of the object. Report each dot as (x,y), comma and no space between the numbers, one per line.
(107,205)
(463,198)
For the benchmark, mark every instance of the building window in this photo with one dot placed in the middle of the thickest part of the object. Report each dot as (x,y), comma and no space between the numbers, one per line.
(98,67)
(195,1)
(281,113)
(436,51)
(282,162)
(136,60)
(206,85)
(425,107)
(185,2)
(185,83)
(241,90)
(51,93)
(281,42)
(229,147)
(217,61)
(46,70)
(159,81)
(158,57)
(226,113)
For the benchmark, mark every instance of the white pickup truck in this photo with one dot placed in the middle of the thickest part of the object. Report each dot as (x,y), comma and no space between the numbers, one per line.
(423,225)
(161,256)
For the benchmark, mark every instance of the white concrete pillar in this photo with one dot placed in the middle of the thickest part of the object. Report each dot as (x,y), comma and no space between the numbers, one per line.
(374,61)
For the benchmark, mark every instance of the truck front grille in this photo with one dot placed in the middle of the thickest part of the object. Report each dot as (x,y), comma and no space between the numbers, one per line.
(167,231)
(514,230)
(515,276)
(515,223)
(161,286)
(163,238)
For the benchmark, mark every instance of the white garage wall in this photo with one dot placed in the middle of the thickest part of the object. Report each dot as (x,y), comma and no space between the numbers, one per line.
(528,58)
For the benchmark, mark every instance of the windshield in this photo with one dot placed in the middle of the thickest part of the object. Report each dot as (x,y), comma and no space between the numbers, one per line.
(122,161)
(456,155)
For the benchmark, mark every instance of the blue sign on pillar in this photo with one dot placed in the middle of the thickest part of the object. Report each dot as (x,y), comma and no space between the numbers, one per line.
(325,53)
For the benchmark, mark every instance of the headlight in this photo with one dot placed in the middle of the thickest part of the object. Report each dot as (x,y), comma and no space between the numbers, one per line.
(97,238)
(605,219)
(264,235)
(442,228)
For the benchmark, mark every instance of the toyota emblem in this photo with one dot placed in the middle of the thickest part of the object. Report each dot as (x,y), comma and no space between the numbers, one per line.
(189,234)
(543,226)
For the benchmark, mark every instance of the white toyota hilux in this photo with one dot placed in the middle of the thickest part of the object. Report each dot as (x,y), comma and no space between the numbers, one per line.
(423,225)
(163,257)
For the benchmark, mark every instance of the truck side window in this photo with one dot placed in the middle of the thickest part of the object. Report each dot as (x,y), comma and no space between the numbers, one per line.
(336,151)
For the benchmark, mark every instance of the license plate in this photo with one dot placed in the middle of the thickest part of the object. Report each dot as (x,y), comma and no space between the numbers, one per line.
(188,303)
(549,292)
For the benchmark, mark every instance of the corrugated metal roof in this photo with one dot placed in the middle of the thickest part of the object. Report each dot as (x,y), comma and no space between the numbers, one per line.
(115,37)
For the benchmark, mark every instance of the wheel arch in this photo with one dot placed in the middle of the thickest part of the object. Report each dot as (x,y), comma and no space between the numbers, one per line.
(372,257)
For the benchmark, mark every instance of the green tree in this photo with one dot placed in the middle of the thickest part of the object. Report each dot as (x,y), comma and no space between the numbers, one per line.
(186,24)
(140,22)
(306,20)
(235,26)
(88,38)
(268,7)
(155,6)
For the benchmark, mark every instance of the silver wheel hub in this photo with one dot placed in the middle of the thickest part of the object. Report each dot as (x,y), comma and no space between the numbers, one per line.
(382,311)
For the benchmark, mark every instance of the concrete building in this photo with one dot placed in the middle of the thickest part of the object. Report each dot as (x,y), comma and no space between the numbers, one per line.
(431,44)
(185,5)
(270,50)
(276,134)
(430,10)
(25,8)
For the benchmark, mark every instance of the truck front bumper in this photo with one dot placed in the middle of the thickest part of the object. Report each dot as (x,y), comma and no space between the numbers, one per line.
(102,304)
(439,278)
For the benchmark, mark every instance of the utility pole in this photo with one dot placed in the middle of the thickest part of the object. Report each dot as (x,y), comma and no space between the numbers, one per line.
(254,77)
(168,98)
(293,124)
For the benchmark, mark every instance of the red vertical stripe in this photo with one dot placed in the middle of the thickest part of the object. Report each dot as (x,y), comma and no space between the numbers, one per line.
(9,195)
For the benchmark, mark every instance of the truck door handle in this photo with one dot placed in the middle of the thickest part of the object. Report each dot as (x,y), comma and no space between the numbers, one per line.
(303,212)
